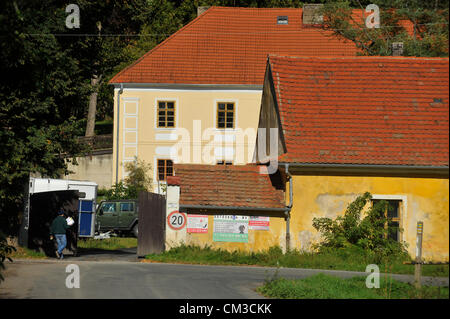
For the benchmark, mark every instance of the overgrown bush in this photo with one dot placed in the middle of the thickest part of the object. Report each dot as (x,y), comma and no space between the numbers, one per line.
(363,232)
(136,181)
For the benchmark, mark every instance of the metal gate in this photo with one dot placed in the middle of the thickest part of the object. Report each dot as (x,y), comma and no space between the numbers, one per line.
(151,226)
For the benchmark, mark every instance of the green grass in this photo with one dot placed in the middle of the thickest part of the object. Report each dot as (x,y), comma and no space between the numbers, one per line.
(273,257)
(112,243)
(25,253)
(329,287)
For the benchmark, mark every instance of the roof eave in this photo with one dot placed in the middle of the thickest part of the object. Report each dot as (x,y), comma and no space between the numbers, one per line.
(368,169)
(242,209)
(189,86)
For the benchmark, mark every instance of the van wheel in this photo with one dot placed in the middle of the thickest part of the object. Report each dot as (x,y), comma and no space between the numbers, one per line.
(135,230)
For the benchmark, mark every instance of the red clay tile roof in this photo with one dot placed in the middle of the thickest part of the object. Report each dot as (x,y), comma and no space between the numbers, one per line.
(363,110)
(237,186)
(230,46)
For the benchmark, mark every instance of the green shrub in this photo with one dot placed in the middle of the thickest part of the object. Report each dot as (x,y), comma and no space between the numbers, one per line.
(361,232)
(136,181)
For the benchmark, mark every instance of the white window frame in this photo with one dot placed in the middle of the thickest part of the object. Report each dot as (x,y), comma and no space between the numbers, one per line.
(403,210)
(177,109)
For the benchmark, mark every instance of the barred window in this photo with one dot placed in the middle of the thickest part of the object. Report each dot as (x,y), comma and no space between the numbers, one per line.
(393,212)
(165,168)
(225,115)
(166,114)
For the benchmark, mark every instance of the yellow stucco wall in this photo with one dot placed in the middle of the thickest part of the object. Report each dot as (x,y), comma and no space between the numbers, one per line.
(140,136)
(258,240)
(423,199)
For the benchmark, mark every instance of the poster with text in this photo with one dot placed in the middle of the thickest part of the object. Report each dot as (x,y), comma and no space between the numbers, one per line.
(259,223)
(231,228)
(197,224)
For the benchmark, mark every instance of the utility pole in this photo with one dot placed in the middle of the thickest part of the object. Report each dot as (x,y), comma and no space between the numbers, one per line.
(418,263)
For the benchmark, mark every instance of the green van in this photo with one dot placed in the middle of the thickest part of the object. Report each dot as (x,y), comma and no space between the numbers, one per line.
(120,216)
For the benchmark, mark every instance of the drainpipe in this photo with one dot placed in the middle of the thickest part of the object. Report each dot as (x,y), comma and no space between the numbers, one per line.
(289,207)
(117,133)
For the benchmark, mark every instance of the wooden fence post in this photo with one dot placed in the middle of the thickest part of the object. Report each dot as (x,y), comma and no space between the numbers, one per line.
(418,263)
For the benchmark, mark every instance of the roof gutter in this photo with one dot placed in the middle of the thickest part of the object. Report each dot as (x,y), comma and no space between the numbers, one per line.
(242,208)
(400,170)
(117,131)
(288,208)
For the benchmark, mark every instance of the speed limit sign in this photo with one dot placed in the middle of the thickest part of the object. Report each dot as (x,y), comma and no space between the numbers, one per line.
(176,220)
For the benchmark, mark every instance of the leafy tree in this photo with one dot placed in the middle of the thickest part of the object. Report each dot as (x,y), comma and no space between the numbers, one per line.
(39,98)
(137,180)
(366,230)
(106,29)
(427,37)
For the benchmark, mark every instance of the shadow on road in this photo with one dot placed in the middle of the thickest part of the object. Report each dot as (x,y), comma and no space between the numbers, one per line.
(95,254)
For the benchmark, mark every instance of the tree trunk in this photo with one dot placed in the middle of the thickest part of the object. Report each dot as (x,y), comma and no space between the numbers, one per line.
(90,125)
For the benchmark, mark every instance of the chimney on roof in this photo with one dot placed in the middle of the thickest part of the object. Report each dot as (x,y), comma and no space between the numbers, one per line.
(397,48)
(312,14)
(202,9)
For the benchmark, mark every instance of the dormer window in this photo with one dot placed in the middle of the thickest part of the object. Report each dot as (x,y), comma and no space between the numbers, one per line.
(282,20)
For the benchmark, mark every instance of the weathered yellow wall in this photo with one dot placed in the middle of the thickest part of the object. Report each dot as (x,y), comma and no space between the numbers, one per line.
(328,196)
(152,143)
(425,199)
(258,240)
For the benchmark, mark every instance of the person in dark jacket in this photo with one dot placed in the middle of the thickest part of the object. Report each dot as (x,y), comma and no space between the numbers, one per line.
(58,230)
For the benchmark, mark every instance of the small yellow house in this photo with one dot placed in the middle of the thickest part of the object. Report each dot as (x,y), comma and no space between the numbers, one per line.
(195,98)
(362,124)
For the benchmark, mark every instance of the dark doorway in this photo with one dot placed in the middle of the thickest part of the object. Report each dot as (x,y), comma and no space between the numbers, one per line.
(43,209)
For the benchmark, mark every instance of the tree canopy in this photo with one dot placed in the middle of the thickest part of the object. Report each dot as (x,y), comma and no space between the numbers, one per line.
(422,26)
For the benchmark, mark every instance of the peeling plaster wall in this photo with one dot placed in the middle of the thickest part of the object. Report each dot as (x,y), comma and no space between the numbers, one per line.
(328,196)
(424,199)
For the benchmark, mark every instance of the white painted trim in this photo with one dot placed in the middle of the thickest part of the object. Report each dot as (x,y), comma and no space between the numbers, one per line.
(129,98)
(166,137)
(125,130)
(403,211)
(155,166)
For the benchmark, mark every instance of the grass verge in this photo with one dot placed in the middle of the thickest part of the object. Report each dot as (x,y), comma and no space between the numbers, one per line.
(273,257)
(112,243)
(329,287)
(25,253)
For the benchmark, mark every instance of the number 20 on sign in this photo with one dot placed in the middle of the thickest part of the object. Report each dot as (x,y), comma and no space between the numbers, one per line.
(176,220)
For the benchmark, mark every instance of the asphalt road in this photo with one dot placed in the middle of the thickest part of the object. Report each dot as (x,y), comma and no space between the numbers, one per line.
(124,279)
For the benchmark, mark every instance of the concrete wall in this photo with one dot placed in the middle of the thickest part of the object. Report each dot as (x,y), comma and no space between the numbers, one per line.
(97,168)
